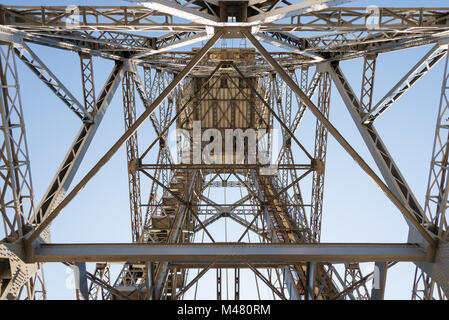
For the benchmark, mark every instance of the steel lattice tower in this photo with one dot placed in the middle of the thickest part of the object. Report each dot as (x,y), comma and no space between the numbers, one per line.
(270,228)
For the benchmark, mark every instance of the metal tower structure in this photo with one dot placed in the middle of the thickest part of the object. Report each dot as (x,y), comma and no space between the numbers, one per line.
(222,203)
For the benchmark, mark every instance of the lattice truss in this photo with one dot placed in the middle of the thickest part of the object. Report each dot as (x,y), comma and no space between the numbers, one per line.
(222,219)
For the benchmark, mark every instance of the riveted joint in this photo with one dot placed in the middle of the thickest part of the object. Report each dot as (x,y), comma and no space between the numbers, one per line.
(134,165)
(317,165)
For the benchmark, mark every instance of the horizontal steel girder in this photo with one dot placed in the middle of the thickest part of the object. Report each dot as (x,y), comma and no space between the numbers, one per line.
(158,15)
(229,252)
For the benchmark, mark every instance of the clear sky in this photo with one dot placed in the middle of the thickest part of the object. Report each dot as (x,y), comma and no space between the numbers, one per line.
(355,209)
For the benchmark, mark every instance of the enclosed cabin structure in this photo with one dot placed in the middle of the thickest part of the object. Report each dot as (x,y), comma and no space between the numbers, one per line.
(224,112)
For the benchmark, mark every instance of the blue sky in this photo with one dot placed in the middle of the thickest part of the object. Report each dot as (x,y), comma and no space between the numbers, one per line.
(355,209)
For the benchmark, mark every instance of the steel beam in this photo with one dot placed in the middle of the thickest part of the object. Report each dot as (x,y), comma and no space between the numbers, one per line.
(351,18)
(200,36)
(310,15)
(170,7)
(229,252)
(294,9)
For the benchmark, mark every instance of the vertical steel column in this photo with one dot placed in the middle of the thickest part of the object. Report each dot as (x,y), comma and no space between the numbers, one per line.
(425,288)
(82,291)
(87,80)
(129,111)
(149,281)
(438,188)
(379,280)
(219,286)
(154,83)
(369,70)
(319,161)
(17,199)
(281,95)
(310,281)
(237,284)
